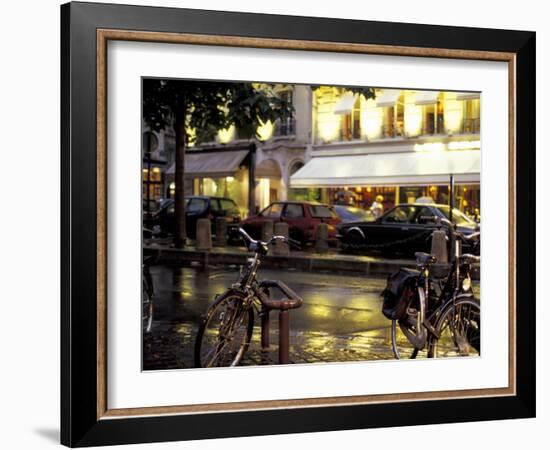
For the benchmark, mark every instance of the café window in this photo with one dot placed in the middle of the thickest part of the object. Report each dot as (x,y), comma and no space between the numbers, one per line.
(351,122)
(286,127)
(471,116)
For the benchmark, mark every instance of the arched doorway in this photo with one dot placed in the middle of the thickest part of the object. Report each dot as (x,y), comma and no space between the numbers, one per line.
(268,189)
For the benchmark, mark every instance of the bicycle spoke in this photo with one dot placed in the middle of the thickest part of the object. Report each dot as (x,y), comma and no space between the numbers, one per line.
(225,335)
(459,331)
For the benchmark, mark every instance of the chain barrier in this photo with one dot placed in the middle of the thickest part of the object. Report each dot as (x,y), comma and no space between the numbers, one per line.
(365,246)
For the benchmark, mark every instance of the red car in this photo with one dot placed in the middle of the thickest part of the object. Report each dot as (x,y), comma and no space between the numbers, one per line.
(302,219)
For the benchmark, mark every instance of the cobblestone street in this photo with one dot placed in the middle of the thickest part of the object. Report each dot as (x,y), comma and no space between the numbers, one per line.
(340,319)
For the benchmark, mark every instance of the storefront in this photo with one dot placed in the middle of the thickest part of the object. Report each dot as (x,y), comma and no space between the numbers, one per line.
(218,173)
(401,177)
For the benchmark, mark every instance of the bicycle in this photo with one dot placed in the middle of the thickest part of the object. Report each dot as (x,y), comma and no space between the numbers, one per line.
(225,332)
(439,314)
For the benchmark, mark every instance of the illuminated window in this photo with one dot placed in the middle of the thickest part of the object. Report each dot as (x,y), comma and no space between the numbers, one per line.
(351,122)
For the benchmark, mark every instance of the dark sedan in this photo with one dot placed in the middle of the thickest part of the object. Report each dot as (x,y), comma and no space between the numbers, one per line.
(406,228)
(163,222)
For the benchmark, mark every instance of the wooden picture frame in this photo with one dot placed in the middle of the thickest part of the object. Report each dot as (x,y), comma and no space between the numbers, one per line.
(86,28)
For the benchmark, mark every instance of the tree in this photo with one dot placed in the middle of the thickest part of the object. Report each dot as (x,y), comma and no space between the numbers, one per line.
(197,110)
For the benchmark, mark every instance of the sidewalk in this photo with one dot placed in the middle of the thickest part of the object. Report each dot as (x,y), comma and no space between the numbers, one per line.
(308,261)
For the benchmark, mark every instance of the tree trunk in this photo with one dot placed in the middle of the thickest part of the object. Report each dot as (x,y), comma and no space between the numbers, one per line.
(180,235)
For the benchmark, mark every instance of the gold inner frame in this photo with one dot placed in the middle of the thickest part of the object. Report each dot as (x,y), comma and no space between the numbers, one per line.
(103,36)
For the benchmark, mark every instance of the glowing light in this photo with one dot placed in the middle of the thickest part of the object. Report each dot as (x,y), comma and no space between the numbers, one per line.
(156,170)
(227,135)
(229,179)
(191,137)
(452,113)
(412,115)
(265,131)
(329,128)
(358,189)
(371,119)
(328,123)
(172,186)
(464,145)
(263,192)
(369,189)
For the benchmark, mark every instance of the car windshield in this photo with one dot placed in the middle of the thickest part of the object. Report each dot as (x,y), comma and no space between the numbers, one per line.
(352,213)
(322,212)
(458,216)
(228,205)
(196,205)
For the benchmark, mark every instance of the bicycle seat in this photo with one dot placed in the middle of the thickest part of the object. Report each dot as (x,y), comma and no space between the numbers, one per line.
(425,259)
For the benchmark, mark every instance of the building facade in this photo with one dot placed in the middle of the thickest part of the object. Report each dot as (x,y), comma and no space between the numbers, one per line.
(402,145)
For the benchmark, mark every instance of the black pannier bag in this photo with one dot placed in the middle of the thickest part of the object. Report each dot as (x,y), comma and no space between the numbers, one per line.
(398,293)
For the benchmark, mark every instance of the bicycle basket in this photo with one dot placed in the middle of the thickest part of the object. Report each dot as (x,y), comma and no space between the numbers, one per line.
(398,293)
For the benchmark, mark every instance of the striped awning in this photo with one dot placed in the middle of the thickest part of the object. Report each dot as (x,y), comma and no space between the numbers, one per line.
(426,97)
(390,169)
(211,164)
(388,97)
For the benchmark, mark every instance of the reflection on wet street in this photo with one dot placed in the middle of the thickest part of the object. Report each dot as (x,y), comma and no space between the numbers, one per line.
(340,319)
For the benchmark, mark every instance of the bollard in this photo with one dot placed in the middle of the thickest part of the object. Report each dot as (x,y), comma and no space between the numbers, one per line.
(439,246)
(321,238)
(221,232)
(204,234)
(439,250)
(267,230)
(281,248)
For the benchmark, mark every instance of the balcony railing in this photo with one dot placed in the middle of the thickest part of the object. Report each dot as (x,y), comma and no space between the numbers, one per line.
(392,130)
(432,127)
(350,133)
(467,126)
(471,126)
(285,128)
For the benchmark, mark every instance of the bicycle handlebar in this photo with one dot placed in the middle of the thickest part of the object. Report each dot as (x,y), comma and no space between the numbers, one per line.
(273,239)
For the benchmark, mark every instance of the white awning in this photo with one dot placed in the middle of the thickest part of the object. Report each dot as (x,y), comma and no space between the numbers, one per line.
(345,104)
(426,97)
(467,95)
(211,164)
(388,97)
(390,169)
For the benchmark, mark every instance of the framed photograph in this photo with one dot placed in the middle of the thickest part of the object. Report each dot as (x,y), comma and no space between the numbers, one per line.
(273,224)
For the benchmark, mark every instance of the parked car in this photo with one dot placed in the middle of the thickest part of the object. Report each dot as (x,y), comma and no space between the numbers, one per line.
(302,219)
(406,228)
(163,223)
(149,208)
(353,214)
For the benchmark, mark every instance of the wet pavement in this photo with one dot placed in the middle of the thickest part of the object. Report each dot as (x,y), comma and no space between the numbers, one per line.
(340,319)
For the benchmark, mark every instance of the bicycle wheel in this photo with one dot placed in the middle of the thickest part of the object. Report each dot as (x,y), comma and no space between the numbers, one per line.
(147,307)
(224,335)
(459,330)
(401,347)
